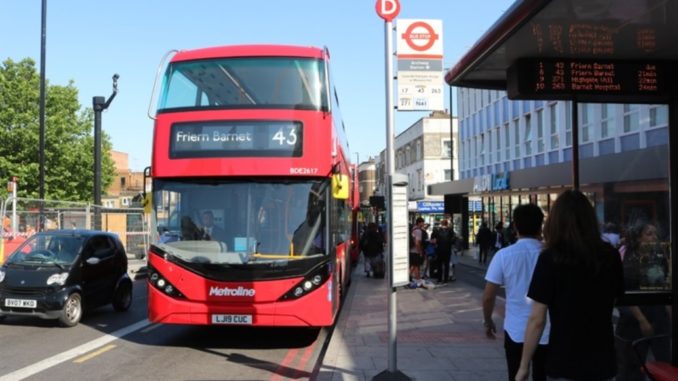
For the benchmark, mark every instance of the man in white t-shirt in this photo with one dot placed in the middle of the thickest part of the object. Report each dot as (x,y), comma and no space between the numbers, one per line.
(512,267)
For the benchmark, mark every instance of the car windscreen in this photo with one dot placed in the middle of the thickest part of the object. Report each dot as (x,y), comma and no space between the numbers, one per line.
(45,248)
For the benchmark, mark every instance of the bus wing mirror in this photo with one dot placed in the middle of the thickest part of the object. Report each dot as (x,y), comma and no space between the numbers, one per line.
(340,186)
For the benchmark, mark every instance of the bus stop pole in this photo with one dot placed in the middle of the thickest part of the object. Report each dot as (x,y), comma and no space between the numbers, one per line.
(390,169)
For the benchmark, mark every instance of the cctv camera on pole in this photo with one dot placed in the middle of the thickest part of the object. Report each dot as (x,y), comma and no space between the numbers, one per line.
(100,104)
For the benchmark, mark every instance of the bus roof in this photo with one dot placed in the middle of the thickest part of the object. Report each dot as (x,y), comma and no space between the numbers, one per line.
(249,51)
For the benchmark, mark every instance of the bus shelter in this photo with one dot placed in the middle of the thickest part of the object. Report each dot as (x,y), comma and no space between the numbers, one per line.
(595,53)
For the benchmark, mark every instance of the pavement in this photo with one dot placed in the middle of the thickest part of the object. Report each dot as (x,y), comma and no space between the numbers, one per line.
(440,335)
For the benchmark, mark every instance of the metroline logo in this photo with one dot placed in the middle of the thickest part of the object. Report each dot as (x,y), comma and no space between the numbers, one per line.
(225,291)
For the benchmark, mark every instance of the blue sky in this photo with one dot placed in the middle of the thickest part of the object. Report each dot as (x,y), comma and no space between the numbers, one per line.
(89,41)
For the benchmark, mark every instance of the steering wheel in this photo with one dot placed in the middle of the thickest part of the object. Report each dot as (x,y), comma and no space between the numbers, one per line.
(40,254)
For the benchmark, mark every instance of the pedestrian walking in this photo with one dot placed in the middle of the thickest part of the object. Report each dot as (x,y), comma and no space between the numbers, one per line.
(372,244)
(512,268)
(497,237)
(416,253)
(577,278)
(484,242)
(443,238)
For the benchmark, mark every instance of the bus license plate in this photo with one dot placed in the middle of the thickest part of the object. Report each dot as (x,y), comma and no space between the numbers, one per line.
(232,319)
(21,303)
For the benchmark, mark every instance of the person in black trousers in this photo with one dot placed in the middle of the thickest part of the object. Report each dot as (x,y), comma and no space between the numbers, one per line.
(443,238)
(484,242)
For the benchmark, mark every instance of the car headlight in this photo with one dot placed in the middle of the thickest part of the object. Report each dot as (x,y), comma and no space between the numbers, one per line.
(58,279)
(2,275)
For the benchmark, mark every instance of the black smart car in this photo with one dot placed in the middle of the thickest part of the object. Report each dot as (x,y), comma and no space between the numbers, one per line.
(55,273)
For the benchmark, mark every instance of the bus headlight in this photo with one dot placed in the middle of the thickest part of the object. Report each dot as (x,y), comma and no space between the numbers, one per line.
(157,281)
(311,282)
(2,275)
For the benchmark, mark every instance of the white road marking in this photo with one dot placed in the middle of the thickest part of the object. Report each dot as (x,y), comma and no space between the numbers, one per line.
(57,359)
(149,329)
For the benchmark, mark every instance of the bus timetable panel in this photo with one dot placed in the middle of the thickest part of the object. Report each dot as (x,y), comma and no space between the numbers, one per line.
(586,80)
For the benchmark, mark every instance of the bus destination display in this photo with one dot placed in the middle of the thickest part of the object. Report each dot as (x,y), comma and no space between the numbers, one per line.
(593,80)
(236,139)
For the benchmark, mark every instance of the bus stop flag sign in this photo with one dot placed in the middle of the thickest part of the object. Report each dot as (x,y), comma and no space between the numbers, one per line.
(420,65)
(388,9)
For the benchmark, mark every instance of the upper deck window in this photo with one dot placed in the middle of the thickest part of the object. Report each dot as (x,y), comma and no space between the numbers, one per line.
(260,82)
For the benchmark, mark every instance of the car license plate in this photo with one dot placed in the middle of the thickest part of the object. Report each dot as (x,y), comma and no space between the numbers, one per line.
(21,303)
(232,319)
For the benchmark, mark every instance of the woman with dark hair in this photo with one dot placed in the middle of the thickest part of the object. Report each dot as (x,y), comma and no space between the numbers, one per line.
(645,268)
(577,278)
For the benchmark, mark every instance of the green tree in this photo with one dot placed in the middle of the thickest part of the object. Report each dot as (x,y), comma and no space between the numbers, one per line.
(69,140)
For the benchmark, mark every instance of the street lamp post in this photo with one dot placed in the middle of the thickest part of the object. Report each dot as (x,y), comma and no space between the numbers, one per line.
(100,104)
(41,144)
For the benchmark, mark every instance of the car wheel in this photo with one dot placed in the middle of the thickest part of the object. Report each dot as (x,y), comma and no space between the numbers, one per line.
(72,311)
(122,297)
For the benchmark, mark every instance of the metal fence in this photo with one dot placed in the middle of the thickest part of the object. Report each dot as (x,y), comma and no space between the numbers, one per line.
(23,217)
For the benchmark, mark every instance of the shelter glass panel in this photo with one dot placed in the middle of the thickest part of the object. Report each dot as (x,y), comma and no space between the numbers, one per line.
(629,186)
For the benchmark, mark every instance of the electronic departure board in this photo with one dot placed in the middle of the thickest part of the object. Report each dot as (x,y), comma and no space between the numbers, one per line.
(589,80)
(232,138)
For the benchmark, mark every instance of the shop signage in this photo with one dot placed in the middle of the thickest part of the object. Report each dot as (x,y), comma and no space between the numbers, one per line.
(492,182)
(482,184)
(501,182)
(430,206)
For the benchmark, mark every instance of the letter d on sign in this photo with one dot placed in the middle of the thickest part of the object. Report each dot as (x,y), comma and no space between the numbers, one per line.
(387,9)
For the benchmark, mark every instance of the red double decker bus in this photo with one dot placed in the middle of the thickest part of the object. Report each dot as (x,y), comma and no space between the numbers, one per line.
(252,189)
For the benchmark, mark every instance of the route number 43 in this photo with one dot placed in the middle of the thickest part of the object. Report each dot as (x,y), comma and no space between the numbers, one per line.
(289,138)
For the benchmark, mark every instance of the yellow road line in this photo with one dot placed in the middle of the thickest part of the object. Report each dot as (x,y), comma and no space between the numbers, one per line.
(90,355)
